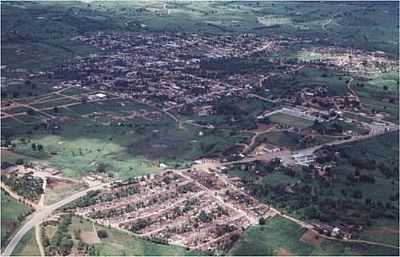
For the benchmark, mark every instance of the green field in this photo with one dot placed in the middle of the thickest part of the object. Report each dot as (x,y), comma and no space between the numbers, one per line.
(228,114)
(130,147)
(384,231)
(11,209)
(381,94)
(11,157)
(284,85)
(27,246)
(123,244)
(290,121)
(282,237)
(281,139)
(291,140)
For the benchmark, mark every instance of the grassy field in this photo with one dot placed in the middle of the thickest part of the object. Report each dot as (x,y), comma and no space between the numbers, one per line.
(381,94)
(284,85)
(78,156)
(282,237)
(281,139)
(289,140)
(274,238)
(11,157)
(10,210)
(384,231)
(58,190)
(290,121)
(127,146)
(122,244)
(228,114)
(27,246)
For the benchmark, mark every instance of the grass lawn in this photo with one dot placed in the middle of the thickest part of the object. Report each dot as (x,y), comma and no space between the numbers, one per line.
(276,236)
(78,156)
(385,231)
(381,94)
(129,148)
(11,157)
(290,121)
(244,110)
(281,139)
(10,210)
(280,236)
(121,244)
(27,246)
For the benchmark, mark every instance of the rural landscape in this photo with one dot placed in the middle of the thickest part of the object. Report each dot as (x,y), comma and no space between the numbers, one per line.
(199,128)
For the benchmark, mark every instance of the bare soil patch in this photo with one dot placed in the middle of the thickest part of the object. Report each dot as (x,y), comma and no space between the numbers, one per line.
(90,237)
(311,238)
(58,184)
(282,252)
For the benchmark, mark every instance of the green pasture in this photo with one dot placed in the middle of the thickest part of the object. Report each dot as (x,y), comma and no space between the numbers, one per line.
(122,243)
(290,121)
(27,246)
(10,210)
(280,236)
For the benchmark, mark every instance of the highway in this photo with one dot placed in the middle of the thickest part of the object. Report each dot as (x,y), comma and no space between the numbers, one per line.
(40,216)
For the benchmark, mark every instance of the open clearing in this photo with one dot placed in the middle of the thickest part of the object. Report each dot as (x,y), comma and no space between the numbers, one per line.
(289,120)
(59,189)
(311,238)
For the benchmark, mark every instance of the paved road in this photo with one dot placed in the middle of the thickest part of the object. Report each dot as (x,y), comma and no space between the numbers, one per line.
(40,216)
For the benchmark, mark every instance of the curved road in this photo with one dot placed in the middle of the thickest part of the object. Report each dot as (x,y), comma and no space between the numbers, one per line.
(40,216)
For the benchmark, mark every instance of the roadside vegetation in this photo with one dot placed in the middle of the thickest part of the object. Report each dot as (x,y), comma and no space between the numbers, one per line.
(27,246)
(12,214)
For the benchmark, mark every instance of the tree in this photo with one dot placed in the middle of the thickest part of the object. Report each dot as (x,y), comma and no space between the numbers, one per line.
(19,161)
(66,245)
(311,213)
(102,234)
(101,168)
(40,147)
(204,217)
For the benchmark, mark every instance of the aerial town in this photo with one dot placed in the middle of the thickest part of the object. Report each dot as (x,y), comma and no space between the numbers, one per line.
(165,129)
